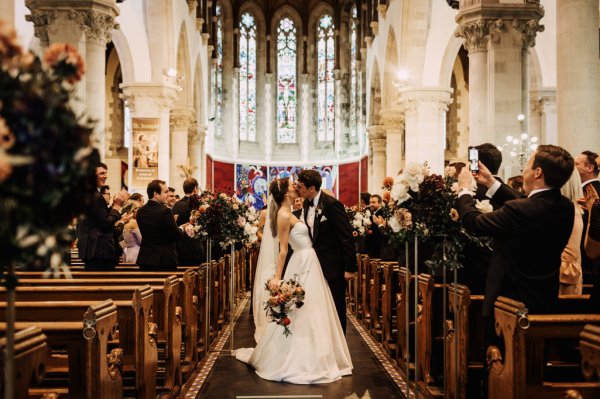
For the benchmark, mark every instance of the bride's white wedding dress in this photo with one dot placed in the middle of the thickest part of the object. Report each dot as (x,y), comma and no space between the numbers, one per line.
(316,351)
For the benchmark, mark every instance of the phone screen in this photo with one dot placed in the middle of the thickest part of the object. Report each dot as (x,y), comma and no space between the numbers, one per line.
(473,159)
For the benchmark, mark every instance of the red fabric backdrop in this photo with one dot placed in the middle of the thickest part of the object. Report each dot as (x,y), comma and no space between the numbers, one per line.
(209,173)
(348,183)
(224,177)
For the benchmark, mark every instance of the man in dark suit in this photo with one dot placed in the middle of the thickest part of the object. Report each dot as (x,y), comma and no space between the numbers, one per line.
(587,166)
(529,233)
(331,235)
(95,231)
(374,238)
(159,231)
(190,251)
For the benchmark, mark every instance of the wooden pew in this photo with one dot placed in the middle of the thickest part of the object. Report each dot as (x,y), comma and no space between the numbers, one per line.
(389,291)
(519,372)
(167,313)
(30,354)
(94,372)
(457,338)
(365,286)
(136,334)
(376,281)
(590,352)
(403,352)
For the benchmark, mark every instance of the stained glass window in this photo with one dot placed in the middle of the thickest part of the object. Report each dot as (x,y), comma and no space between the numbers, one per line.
(217,76)
(325,79)
(286,81)
(354,77)
(247,58)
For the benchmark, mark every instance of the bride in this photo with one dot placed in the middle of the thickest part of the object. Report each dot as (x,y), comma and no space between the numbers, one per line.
(316,351)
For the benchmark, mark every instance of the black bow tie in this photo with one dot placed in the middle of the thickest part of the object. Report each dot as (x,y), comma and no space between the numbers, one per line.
(310,203)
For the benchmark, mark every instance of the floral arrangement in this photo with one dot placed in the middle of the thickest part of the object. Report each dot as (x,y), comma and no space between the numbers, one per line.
(284,296)
(225,219)
(46,159)
(421,207)
(360,221)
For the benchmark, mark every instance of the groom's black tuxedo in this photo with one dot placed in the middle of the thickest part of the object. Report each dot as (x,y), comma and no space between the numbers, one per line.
(333,242)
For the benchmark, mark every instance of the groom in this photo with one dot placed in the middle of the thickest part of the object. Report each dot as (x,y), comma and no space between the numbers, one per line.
(331,235)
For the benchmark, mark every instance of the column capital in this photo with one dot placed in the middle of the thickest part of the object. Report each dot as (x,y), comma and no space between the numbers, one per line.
(376,133)
(477,34)
(181,118)
(528,29)
(95,18)
(410,98)
(539,100)
(392,119)
(141,95)
(196,133)
(382,8)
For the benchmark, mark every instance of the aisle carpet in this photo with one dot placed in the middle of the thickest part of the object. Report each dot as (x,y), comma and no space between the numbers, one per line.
(231,379)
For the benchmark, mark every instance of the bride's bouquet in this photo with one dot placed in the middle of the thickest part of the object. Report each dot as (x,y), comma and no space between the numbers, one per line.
(284,295)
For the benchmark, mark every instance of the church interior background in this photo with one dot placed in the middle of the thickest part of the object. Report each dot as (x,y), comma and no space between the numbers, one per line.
(235,92)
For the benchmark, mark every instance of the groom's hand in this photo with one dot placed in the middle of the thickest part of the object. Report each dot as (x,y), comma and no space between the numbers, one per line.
(349,276)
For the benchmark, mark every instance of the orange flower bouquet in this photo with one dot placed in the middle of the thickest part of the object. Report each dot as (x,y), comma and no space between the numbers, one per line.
(284,296)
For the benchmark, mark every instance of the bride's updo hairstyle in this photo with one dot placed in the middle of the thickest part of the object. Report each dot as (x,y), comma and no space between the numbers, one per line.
(278,190)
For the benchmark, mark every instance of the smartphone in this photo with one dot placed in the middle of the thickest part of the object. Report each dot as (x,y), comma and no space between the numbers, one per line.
(473,160)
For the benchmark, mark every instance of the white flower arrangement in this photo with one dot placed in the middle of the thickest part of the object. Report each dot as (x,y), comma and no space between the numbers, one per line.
(484,206)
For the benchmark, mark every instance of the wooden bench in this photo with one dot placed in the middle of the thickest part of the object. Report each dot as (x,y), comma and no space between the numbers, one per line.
(94,371)
(30,354)
(518,372)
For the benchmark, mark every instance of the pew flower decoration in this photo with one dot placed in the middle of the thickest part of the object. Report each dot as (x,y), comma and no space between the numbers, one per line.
(284,296)
(422,209)
(46,158)
(361,223)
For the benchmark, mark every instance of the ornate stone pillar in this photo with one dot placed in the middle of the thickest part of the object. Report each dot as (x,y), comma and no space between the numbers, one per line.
(425,125)
(152,100)
(542,111)
(269,131)
(498,35)
(577,97)
(197,152)
(393,123)
(337,130)
(87,25)
(377,141)
(179,124)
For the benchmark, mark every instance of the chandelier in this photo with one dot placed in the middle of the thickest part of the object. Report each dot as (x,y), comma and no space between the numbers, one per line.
(519,147)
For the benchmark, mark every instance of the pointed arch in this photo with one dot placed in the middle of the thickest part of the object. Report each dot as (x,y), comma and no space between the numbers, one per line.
(390,70)
(184,73)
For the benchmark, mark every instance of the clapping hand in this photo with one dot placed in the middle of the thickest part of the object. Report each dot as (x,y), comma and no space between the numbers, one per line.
(379,220)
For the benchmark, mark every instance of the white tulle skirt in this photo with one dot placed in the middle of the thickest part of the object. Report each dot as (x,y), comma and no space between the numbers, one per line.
(316,352)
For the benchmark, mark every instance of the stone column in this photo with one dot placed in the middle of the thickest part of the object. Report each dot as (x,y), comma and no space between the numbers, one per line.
(179,124)
(152,100)
(377,140)
(425,125)
(577,97)
(337,109)
(270,107)
(498,35)
(196,152)
(87,25)
(393,123)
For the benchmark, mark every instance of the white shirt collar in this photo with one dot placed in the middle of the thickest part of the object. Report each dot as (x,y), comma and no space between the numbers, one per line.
(539,190)
(316,199)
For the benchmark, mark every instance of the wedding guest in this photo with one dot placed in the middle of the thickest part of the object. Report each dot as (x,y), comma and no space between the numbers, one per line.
(95,231)
(159,231)
(529,233)
(297,206)
(374,237)
(132,237)
(190,251)
(516,183)
(571,276)
(171,198)
(138,199)
(586,164)
(365,198)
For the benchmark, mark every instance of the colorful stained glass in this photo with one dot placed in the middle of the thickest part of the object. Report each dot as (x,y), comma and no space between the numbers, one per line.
(286,81)
(247,58)
(218,76)
(354,88)
(325,79)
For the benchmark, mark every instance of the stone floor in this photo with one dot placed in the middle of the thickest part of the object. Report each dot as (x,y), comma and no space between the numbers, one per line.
(223,377)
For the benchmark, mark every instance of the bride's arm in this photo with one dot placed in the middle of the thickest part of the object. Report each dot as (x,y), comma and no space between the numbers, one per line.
(283,233)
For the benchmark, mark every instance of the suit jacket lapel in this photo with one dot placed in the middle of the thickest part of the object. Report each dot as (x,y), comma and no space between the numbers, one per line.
(305,212)
(317,221)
